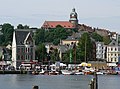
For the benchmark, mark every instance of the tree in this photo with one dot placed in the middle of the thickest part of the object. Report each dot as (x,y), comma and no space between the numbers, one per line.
(54,55)
(106,40)
(6,37)
(54,35)
(41,53)
(97,37)
(39,36)
(84,50)
(20,26)
(26,27)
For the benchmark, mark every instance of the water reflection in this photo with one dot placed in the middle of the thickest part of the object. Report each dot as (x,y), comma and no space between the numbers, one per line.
(44,82)
(57,82)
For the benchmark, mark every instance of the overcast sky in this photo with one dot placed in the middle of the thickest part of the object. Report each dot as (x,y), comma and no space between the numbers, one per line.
(95,13)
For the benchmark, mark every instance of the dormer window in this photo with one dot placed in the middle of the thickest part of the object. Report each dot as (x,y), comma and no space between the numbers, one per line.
(28,42)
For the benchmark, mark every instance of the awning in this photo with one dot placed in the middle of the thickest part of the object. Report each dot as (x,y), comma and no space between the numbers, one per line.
(84,64)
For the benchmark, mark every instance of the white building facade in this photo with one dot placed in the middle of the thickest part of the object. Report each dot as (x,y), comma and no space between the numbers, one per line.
(113,51)
(100,51)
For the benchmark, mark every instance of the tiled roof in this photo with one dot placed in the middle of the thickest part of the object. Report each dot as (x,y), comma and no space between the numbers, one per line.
(53,24)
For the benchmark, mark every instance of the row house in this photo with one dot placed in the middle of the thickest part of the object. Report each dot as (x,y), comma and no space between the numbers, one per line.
(113,50)
(113,53)
(23,47)
(100,51)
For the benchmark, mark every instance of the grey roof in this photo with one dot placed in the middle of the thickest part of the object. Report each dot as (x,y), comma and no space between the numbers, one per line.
(75,36)
(63,48)
(20,36)
(113,43)
(33,30)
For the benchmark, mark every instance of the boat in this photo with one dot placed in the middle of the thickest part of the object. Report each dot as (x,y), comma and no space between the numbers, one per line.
(79,72)
(99,73)
(42,72)
(67,72)
(53,73)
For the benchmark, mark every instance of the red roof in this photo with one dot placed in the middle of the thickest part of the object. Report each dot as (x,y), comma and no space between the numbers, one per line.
(53,24)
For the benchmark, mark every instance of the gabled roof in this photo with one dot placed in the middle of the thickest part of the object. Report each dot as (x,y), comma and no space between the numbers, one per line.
(113,43)
(63,48)
(74,37)
(53,24)
(21,36)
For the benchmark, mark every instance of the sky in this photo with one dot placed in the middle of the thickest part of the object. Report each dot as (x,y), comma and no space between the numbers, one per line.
(104,14)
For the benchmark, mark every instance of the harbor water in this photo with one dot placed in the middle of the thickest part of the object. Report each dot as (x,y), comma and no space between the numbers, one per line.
(15,81)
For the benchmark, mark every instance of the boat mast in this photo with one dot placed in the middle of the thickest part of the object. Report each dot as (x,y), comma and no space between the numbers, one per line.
(85,47)
(74,48)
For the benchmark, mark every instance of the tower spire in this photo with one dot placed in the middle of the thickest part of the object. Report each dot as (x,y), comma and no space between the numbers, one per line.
(73,18)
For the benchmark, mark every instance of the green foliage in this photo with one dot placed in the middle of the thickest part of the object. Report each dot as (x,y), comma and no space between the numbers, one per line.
(84,49)
(54,55)
(66,57)
(97,37)
(106,40)
(20,26)
(40,52)
(69,56)
(39,36)
(6,37)
(52,35)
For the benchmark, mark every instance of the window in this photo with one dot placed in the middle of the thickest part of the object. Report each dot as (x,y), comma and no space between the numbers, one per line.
(18,50)
(31,57)
(26,57)
(111,49)
(111,59)
(22,57)
(18,57)
(118,54)
(26,49)
(22,50)
(31,50)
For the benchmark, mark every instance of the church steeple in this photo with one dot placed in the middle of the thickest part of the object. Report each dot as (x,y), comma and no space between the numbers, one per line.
(73,17)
